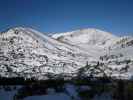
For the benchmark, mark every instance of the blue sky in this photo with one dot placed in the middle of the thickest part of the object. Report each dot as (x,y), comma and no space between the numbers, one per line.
(115,16)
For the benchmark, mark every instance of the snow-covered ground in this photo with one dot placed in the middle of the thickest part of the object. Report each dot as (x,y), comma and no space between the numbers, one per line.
(70,93)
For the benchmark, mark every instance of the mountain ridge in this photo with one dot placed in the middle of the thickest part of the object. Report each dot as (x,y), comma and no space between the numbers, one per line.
(90,36)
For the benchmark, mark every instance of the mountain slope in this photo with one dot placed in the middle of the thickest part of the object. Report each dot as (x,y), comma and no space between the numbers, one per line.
(114,52)
(29,53)
(91,40)
(25,52)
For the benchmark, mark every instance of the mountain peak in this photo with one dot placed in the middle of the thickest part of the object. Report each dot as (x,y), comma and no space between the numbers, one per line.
(82,31)
(90,36)
(18,28)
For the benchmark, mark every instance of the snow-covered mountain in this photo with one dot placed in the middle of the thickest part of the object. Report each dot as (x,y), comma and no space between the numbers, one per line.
(25,52)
